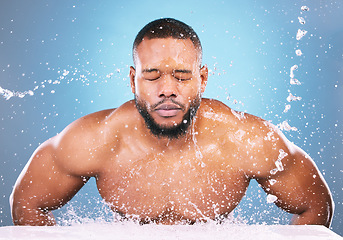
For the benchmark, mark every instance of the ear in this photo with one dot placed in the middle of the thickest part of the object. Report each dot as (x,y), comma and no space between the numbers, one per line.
(204,77)
(132,79)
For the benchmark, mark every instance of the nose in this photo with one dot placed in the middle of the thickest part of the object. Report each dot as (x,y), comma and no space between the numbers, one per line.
(168,87)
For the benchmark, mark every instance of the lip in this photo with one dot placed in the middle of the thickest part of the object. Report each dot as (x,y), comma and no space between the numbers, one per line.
(168,110)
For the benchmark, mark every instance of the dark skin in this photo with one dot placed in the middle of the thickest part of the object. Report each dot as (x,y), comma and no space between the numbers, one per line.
(198,176)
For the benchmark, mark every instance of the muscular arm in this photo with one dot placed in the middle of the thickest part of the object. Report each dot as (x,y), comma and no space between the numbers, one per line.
(298,185)
(42,186)
(263,153)
(58,169)
(285,171)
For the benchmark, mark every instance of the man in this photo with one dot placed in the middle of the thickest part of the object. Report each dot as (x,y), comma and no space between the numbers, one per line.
(169,156)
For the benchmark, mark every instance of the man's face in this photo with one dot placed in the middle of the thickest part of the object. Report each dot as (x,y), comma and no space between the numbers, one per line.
(167,83)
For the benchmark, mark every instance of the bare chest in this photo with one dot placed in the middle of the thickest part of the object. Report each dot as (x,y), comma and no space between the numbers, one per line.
(169,188)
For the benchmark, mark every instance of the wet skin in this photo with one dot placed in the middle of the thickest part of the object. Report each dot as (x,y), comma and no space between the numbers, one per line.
(199,176)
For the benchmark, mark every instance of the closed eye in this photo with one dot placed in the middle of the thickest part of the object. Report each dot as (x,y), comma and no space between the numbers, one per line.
(151,74)
(182,74)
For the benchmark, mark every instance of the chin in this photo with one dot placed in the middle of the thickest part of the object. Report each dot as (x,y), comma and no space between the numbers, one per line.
(167,122)
(166,127)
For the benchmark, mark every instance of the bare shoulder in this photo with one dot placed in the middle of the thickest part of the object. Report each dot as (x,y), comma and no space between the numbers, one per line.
(262,147)
(218,112)
(83,145)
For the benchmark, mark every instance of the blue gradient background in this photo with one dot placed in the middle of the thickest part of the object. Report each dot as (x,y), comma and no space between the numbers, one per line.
(249,47)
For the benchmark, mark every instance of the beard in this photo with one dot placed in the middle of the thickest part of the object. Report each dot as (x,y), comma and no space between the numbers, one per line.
(162,131)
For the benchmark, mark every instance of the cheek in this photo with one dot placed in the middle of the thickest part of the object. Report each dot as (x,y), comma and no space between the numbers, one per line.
(139,87)
(192,91)
(144,91)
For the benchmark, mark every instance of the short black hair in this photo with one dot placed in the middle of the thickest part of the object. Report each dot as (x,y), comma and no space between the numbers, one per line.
(165,28)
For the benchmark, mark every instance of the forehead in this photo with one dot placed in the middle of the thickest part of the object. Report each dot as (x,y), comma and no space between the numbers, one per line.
(169,50)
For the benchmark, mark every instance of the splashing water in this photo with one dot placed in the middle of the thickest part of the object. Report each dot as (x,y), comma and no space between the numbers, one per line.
(65,76)
(287,107)
(305,8)
(300,34)
(294,81)
(293,68)
(198,153)
(272,181)
(240,115)
(292,98)
(298,52)
(301,20)
(285,126)
(101,213)
(278,162)
(282,154)
(271,198)
(8,94)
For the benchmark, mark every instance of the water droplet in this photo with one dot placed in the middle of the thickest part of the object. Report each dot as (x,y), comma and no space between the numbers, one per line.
(298,52)
(294,81)
(293,68)
(301,20)
(271,198)
(291,98)
(305,8)
(65,72)
(109,75)
(279,165)
(300,34)
(272,181)
(285,126)
(20,94)
(287,107)
(7,94)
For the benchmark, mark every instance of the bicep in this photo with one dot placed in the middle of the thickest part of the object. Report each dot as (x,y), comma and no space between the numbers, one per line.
(299,186)
(43,184)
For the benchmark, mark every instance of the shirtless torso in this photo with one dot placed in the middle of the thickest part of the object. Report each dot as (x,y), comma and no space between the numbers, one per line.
(203,178)
(170,156)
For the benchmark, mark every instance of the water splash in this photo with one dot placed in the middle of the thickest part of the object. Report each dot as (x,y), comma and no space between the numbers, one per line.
(282,154)
(65,76)
(198,152)
(287,107)
(294,81)
(300,34)
(298,52)
(301,20)
(272,181)
(305,8)
(293,68)
(239,115)
(271,198)
(75,214)
(278,162)
(285,126)
(292,98)
(8,94)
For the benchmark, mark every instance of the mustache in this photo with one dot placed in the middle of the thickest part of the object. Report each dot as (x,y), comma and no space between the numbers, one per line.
(168,100)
